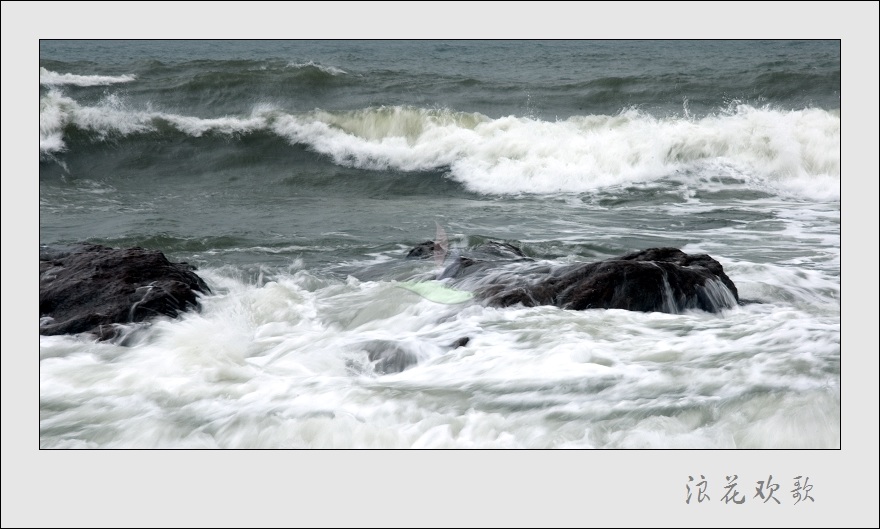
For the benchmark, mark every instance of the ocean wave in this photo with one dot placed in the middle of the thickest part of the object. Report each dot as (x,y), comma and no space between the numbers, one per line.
(311,65)
(111,116)
(796,150)
(50,78)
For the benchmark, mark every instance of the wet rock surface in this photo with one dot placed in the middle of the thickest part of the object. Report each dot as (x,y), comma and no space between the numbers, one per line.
(653,280)
(89,288)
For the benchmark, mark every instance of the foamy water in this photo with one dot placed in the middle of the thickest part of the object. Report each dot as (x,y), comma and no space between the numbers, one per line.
(296,176)
(285,364)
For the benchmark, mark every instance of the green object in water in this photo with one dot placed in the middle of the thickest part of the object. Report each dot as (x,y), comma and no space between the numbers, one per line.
(437,292)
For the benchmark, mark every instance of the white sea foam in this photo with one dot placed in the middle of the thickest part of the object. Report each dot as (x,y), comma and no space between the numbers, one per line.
(54,112)
(112,116)
(796,150)
(332,70)
(226,125)
(50,78)
(285,365)
(793,152)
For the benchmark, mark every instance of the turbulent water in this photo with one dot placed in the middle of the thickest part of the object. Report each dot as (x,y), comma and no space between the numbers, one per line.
(296,176)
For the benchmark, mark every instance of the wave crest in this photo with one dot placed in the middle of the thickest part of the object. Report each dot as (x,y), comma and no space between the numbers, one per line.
(798,150)
(311,65)
(50,78)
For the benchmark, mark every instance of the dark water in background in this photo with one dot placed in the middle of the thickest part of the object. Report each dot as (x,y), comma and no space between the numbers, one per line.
(297,174)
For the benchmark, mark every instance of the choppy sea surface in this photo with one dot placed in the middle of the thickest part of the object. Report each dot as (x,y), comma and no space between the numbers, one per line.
(296,175)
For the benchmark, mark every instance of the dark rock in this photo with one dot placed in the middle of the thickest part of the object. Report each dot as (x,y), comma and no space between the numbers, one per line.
(389,357)
(483,257)
(88,288)
(657,279)
(461,342)
(424,250)
(462,262)
(492,250)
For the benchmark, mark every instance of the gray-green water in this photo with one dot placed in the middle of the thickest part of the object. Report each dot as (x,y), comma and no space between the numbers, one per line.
(296,175)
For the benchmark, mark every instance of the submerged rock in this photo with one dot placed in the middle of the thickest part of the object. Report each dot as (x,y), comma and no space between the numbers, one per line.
(88,288)
(461,342)
(389,357)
